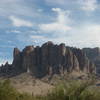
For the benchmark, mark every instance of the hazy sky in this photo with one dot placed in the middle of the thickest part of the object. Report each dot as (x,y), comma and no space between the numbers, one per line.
(33,22)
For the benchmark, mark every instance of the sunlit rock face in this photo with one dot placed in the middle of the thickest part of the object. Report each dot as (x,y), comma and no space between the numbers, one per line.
(50,59)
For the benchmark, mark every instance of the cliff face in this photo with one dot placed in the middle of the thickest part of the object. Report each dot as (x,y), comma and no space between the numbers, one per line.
(94,55)
(50,59)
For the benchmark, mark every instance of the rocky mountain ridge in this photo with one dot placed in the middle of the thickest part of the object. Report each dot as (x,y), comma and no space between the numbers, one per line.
(49,59)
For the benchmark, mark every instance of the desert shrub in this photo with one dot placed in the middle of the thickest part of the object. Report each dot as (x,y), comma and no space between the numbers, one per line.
(7,92)
(67,90)
(92,93)
(74,90)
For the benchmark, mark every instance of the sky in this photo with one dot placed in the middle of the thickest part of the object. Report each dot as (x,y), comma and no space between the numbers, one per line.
(33,22)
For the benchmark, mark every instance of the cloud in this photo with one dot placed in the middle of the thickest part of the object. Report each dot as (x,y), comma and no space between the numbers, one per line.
(60,25)
(60,2)
(88,5)
(17,7)
(39,38)
(20,22)
(85,5)
(13,31)
(86,35)
(56,1)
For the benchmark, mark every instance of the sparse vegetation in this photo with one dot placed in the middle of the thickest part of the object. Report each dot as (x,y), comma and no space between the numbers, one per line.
(70,90)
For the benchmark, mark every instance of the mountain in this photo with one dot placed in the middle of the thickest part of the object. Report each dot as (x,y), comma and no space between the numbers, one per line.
(49,59)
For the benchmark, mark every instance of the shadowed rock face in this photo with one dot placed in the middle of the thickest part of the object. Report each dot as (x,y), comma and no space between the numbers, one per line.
(17,58)
(50,59)
(94,55)
(5,69)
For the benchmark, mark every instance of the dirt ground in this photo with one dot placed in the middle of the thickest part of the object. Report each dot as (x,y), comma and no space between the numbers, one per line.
(28,84)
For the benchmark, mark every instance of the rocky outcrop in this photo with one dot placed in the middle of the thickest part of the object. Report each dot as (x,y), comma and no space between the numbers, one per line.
(93,54)
(50,59)
(84,63)
(5,69)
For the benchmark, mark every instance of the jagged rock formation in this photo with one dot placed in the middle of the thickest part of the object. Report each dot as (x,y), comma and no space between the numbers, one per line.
(50,59)
(94,55)
(5,69)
